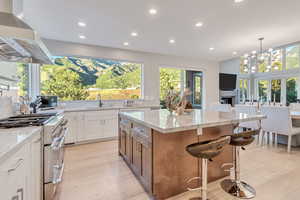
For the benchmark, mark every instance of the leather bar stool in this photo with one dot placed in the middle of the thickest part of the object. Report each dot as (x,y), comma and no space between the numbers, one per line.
(236,187)
(205,150)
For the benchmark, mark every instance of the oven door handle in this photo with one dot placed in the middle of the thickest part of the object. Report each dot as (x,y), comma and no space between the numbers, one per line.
(59,178)
(64,123)
(58,143)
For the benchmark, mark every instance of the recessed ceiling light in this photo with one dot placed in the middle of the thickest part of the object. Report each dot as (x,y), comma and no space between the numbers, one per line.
(199,24)
(81,24)
(126,43)
(254,52)
(172,41)
(234,53)
(211,48)
(270,50)
(153,11)
(82,37)
(238,1)
(134,34)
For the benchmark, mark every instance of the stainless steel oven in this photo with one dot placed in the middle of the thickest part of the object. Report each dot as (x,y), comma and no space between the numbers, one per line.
(54,156)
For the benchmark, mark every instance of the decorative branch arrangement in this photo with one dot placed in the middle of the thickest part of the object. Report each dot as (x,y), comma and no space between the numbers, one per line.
(177,103)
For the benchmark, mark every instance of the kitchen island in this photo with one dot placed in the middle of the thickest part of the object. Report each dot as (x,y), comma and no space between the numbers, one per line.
(153,143)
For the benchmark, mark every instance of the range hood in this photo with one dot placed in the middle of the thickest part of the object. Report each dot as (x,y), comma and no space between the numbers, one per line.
(18,41)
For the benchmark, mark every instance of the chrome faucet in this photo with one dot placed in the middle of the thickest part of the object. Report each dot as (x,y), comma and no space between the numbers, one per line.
(100,101)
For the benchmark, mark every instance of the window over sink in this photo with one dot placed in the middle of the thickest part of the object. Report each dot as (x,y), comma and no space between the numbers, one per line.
(75,78)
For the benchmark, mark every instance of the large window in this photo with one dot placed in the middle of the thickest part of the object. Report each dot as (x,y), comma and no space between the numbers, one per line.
(74,78)
(23,76)
(292,88)
(293,57)
(170,78)
(263,90)
(177,80)
(276,90)
(243,89)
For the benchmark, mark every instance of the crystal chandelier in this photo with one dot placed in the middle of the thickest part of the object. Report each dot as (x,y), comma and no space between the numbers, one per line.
(264,60)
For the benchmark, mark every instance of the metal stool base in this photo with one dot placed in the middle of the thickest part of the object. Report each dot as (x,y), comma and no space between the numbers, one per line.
(241,190)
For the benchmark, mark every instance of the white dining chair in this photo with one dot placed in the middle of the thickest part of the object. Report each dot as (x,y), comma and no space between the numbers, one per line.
(220,107)
(279,121)
(250,110)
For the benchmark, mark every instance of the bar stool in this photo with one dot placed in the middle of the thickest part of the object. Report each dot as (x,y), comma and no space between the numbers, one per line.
(236,187)
(205,150)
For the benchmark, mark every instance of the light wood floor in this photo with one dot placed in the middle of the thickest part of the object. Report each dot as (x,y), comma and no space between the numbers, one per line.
(96,172)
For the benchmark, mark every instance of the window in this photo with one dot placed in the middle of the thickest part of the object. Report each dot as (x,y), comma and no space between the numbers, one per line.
(276,60)
(292,88)
(23,76)
(263,90)
(276,90)
(170,78)
(243,89)
(178,80)
(197,100)
(292,57)
(74,78)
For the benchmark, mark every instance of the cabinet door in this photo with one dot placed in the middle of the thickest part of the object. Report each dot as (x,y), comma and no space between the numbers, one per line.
(136,157)
(74,125)
(128,146)
(36,169)
(14,175)
(122,142)
(100,124)
(146,173)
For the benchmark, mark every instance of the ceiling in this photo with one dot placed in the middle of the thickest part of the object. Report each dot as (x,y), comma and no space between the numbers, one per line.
(227,26)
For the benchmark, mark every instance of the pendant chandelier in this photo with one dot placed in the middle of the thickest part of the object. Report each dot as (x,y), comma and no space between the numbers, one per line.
(262,61)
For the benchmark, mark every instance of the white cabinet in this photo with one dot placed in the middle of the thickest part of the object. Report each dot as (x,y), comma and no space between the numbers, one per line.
(74,126)
(20,174)
(14,176)
(94,125)
(35,168)
(99,125)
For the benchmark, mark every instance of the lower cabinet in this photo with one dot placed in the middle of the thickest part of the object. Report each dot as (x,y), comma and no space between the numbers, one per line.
(138,146)
(136,157)
(20,174)
(91,125)
(146,173)
(36,183)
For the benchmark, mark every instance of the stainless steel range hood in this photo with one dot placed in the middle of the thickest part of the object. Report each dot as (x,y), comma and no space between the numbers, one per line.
(18,41)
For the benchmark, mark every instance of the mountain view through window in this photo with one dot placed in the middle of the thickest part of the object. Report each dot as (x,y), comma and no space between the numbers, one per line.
(73,78)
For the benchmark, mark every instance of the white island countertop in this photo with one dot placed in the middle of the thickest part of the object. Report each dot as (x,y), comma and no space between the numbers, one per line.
(162,121)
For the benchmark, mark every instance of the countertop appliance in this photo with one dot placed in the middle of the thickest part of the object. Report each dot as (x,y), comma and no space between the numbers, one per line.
(48,101)
(18,41)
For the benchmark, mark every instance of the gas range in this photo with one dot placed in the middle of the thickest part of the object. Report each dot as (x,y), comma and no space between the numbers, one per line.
(26,120)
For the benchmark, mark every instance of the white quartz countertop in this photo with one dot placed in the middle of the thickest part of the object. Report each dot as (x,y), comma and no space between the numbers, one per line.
(162,121)
(14,138)
(107,107)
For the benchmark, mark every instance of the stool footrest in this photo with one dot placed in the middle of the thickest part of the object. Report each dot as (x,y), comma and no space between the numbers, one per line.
(193,179)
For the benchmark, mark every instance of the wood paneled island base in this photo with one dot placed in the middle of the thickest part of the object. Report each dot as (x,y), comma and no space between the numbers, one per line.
(153,145)
(164,167)
(173,166)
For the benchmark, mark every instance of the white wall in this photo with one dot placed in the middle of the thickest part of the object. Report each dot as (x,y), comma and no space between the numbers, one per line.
(231,66)
(151,63)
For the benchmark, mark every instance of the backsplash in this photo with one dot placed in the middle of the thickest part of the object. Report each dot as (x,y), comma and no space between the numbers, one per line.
(78,104)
